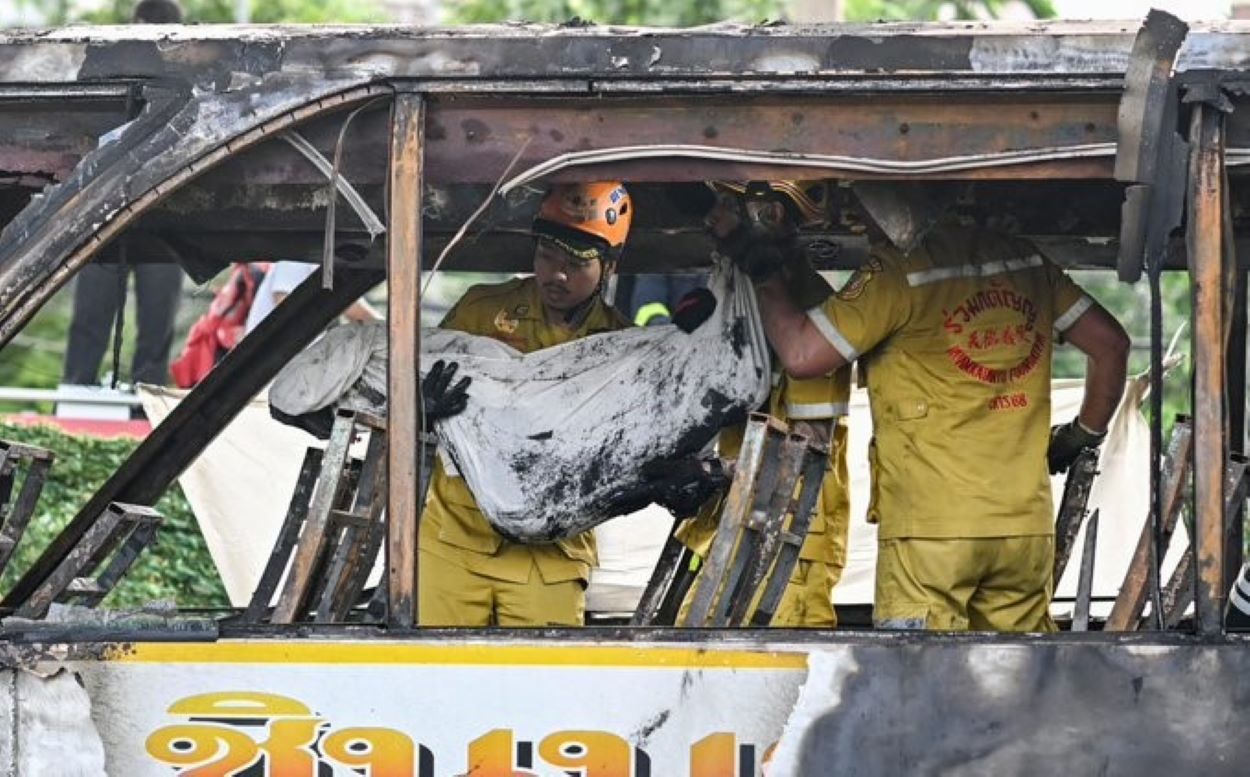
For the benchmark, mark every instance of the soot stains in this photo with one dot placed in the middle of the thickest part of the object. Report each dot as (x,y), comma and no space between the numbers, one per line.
(738,336)
(475,130)
(523,463)
(721,411)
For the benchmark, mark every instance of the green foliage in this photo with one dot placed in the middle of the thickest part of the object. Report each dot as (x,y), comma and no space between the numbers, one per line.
(34,358)
(176,567)
(926,10)
(694,12)
(1131,305)
(60,12)
(633,12)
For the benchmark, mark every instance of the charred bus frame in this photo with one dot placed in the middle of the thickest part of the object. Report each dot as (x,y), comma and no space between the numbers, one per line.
(1050,121)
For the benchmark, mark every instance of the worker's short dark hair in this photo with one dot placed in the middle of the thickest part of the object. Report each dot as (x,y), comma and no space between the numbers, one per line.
(157,12)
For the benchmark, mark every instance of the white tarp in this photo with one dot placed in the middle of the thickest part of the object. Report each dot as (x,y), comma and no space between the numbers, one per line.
(552,441)
(239,487)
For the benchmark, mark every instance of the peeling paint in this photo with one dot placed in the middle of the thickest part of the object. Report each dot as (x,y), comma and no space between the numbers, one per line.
(786,62)
(242,81)
(1042,54)
(822,691)
(51,63)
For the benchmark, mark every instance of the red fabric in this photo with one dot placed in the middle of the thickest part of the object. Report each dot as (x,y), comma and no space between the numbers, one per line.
(221,328)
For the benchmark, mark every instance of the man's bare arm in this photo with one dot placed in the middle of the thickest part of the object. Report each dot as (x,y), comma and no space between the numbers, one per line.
(362,312)
(1101,338)
(802,349)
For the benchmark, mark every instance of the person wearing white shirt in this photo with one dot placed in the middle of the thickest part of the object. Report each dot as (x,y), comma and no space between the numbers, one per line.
(281,280)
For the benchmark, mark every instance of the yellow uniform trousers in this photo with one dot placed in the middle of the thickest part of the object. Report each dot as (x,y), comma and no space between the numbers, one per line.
(982,584)
(450,594)
(808,600)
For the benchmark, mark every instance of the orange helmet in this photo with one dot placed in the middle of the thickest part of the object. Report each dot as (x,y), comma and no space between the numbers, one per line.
(588,220)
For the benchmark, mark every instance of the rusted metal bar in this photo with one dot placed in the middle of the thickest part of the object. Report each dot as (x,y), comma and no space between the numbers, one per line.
(141,533)
(816,461)
(1178,594)
(15,515)
(1076,488)
(353,558)
(767,526)
(1149,153)
(753,522)
(122,530)
(687,572)
(737,503)
(312,540)
(199,417)
(403,272)
(288,534)
(1235,391)
(1132,598)
(1085,582)
(1236,368)
(662,577)
(1205,232)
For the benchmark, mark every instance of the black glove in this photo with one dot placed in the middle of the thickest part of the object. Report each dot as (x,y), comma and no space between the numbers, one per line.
(439,398)
(1066,443)
(807,287)
(680,486)
(693,309)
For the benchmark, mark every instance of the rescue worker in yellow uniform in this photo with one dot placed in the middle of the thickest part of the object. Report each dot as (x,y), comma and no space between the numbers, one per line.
(469,575)
(817,408)
(955,337)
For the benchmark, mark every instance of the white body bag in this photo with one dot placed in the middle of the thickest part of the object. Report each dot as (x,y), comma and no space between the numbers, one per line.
(551,440)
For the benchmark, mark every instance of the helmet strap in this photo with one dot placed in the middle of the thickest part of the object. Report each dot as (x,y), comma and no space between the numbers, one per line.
(575,316)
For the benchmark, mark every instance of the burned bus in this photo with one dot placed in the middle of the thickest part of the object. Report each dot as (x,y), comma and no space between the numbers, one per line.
(1114,146)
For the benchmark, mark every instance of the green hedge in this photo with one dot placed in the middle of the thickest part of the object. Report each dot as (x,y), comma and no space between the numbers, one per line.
(177,566)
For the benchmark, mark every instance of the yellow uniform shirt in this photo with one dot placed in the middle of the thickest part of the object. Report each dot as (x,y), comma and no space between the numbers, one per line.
(811,399)
(955,340)
(511,312)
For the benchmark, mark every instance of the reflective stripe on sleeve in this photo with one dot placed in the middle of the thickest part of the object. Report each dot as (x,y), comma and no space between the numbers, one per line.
(1238,598)
(831,333)
(808,411)
(936,274)
(1064,322)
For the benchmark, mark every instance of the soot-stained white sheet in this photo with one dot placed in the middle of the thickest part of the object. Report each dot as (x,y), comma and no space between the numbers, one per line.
(551,440)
